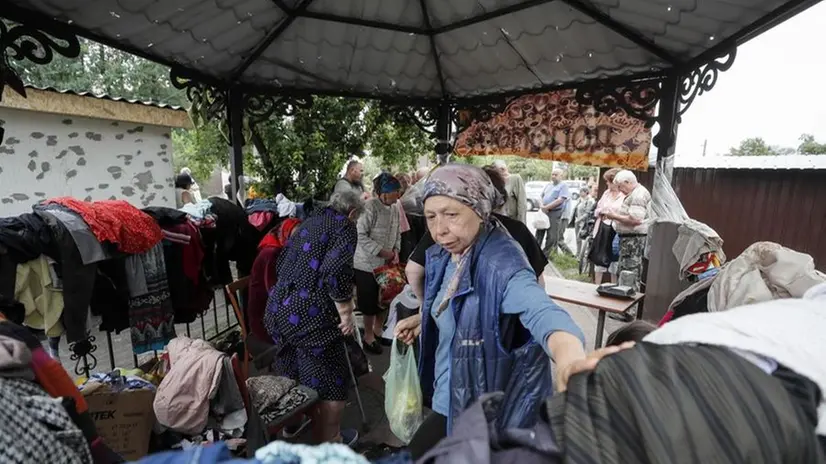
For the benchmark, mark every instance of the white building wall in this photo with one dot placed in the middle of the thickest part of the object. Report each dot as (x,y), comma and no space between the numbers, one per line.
(46,155)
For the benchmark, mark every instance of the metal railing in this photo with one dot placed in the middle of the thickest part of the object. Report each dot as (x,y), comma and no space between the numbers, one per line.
(83,359)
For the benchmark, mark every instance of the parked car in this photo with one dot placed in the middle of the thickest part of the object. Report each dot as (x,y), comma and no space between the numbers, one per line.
(533,192)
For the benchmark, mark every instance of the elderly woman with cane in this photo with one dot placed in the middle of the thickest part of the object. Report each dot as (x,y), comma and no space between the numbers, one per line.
(485,325)
(310,310)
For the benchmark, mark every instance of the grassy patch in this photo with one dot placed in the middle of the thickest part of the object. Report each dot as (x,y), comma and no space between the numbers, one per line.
(568,266)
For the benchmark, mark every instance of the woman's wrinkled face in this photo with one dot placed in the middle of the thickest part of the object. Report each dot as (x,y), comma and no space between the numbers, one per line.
(452,224)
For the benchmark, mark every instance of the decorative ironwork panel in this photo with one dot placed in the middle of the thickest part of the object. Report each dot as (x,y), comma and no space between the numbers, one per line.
(703,79)
(85,361)
(466,114)
(208,103)
(20,42)
(424,117)
(638,100)
(259,108)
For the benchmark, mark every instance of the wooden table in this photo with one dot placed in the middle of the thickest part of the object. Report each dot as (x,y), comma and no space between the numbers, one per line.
(585,294)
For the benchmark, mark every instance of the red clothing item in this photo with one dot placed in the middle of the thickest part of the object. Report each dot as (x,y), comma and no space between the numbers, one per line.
(666,318)
(118,222)
(193,252)
(263,276)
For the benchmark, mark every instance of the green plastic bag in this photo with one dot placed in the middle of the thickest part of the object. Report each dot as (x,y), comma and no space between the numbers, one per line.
(402,392)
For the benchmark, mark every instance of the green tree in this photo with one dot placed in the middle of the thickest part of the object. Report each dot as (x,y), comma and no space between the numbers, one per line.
(756,146)
(808,146)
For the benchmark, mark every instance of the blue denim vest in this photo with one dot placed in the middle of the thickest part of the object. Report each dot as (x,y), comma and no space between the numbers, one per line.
(479,362)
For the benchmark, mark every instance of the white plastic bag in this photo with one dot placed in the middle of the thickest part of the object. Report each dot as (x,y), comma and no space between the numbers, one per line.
(402,392)
(541,221)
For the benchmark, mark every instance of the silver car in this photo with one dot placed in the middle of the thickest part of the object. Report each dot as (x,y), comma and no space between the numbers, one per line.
(534,189)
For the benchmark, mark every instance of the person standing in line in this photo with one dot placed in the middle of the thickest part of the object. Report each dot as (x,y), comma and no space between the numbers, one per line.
(565,222)
(611,200)
(379,241)
(352,181)
(583,213)
(554,199)
(629,222)
(516,200)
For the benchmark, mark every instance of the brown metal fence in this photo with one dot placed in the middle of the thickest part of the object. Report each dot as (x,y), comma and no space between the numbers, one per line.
(787,206)
(750,205)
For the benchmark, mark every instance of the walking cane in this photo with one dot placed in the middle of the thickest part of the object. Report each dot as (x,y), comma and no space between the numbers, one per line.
(364,424)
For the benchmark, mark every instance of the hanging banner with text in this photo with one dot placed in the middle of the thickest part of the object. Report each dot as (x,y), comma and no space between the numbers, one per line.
(553,126)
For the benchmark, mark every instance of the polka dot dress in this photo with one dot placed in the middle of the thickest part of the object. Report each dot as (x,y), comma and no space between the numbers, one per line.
(314,270)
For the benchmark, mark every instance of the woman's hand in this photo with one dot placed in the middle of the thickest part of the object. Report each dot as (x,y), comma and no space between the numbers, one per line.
(407,330)
(345,312)
(348,323)
(387,255)
(589,363)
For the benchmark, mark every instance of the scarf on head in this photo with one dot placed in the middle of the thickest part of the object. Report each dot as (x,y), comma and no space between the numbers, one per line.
(466,184)
(278,237)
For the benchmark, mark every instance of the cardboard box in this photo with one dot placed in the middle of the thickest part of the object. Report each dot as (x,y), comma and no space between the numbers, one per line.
(124,420)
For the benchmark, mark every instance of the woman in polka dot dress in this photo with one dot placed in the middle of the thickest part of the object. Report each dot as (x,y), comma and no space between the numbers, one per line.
(310,309)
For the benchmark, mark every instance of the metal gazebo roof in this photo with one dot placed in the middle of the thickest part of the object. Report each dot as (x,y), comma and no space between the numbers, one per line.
(414,49)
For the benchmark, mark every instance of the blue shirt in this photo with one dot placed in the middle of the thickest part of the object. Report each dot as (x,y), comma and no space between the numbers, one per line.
(524,297)
(552,192)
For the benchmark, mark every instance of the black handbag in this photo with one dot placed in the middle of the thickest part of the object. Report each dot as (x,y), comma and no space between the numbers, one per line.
(602,250)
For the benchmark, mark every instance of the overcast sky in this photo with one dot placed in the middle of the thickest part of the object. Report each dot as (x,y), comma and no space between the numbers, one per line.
(775,90)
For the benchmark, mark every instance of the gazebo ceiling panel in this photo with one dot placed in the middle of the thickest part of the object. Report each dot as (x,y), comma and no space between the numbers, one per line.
(551,44)
(402,12)
(687,27)
(358,59)
(414,48)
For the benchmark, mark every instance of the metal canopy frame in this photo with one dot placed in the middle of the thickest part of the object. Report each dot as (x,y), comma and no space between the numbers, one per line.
(38,38)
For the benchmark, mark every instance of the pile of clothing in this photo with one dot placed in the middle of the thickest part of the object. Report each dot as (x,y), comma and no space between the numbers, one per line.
(139,270)
(44,416)
(764,271)
(200,391)
(264,213)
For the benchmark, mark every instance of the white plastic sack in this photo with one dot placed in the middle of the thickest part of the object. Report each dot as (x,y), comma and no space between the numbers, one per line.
(541,221)
(402,392)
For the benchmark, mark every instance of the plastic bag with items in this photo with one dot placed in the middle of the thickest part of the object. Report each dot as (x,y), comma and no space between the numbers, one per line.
(402,394)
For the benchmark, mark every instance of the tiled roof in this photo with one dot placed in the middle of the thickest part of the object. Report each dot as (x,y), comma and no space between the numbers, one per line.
(107,97)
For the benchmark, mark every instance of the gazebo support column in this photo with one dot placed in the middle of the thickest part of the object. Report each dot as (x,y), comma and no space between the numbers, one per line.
(444,147)
(235,117)
(668,119)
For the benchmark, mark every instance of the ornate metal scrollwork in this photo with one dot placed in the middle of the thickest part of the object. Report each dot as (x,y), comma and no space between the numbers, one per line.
(81,353)
(703,79)
(208,103)
(424,117)
(20,42)
(259,108)
(465,114)
(638,99)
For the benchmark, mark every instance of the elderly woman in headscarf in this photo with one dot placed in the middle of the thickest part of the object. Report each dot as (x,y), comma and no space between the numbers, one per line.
(486,325)
(310,310)
(262,275)
(379,241)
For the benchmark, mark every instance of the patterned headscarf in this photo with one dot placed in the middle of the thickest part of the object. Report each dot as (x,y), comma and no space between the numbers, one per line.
(466,184)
